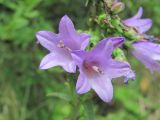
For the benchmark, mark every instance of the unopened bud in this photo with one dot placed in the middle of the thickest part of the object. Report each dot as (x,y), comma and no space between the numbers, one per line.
(117,7)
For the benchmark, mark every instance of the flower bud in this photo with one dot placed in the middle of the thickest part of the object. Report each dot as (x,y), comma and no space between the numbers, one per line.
(117,7)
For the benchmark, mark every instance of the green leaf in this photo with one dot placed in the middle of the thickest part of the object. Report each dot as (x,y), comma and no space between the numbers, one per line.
(60,96)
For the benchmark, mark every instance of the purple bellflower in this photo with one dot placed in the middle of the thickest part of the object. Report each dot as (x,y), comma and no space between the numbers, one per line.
(61,45)
(97,68)
(148,53)
(141,25)
(145,51)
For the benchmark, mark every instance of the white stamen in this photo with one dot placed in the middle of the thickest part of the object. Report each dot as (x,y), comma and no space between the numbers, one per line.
(95,68)
(60,44)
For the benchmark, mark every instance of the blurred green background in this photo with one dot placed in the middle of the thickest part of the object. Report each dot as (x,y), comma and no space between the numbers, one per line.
(27,93)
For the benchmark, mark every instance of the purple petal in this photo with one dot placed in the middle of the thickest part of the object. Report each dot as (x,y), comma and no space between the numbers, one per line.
(47,39)
(138,14)
(129,76)
(148,53)
(136,17)
(103,87)
(142,25)
(108,45)
(70,37)
(151,64)
(118,69)
(149,48)
(83,84)
(84,40)
(68,33)
(79,56)
(60,58)
(66,27)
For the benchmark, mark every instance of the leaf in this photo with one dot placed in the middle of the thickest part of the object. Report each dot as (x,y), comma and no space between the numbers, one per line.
(60,96)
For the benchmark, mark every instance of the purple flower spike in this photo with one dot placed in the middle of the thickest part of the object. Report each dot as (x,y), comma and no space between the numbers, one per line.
(61,45)
(97,68)
(148,53)
(141,25)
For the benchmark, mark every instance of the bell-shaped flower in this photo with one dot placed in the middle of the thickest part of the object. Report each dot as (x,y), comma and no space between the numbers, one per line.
(148,53)
(145,51)
(61,45)
(97,68)
(141,25)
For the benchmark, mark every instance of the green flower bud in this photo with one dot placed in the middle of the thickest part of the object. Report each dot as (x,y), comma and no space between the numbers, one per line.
(117,7)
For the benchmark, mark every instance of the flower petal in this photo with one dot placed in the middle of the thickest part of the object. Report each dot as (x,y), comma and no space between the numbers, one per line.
(118,69)
(83,84)
(84,39)
(138,14)
(47,39)
(149,48)
(129,76)
(70,37)
(103,87)
(60,58)
(151,64)
(136,17)
(107,45)
(79,56)
(148,53)
(142,25)
(68,33)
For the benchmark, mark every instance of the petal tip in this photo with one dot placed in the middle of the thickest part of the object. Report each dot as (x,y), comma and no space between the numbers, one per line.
(65,18)
(107,100)
(140,9)
(42,66)
(41,33)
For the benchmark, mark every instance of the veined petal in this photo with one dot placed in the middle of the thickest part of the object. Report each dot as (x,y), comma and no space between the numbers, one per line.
(84,40)
(103,87)
(151,64)
(70,37)
(48,39)
(68,33)
(129,76)
(108,45)
(136,17)
(148,53)
(145,26)
(142,25)
(138,14)
(118,69)
(66,27)
(79,56)
(60,58)
(83,84)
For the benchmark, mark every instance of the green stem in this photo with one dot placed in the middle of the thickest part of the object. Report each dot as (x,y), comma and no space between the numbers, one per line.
(75,105)
(76,102)
(89,112)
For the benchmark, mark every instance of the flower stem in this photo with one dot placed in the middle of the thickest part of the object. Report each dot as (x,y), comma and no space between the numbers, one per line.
(89,112)
(75,103)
